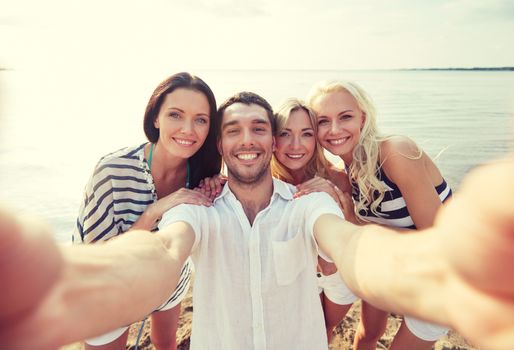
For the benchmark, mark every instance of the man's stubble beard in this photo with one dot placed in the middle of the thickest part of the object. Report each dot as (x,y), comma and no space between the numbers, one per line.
(248,181)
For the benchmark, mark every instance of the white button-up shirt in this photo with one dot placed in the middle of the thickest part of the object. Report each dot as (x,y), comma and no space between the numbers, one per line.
(255,285)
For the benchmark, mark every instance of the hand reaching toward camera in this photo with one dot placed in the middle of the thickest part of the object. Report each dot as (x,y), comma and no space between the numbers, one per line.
(476,231)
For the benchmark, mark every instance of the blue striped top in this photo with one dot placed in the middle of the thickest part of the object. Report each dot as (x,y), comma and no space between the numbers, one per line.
(393,209)
(117,193)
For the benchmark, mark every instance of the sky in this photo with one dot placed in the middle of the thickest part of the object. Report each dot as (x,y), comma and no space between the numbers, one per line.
(257,34)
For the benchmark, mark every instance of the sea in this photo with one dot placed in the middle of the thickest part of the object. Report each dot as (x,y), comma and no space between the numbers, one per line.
(55,125)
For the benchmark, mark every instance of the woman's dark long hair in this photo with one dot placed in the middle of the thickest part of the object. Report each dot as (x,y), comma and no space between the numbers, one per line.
(207,161)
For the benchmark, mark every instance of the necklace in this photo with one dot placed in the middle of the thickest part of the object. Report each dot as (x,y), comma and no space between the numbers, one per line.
(149,162)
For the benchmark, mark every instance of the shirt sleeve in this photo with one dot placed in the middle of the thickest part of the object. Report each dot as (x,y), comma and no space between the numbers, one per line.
(318,204)
(184,213)
(96,220)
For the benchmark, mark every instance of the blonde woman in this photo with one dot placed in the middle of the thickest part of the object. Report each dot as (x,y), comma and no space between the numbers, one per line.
(394,184)
(298,159)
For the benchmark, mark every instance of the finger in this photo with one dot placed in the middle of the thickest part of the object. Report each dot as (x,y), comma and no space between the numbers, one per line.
(305,185)
(197,196)
(187,193)
(347,206)
(302,193)
(218,184)
(212,185)
(197,201)
(341,195)
(213,195)
(298,194)
(200,195)
(316,183)
(203,191)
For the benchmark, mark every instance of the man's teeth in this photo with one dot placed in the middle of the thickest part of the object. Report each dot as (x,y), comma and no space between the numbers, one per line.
(184,142)
(295,156)
(247,156)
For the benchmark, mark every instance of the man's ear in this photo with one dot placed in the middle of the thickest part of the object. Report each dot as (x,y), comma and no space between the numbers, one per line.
(274,145)
(218,144)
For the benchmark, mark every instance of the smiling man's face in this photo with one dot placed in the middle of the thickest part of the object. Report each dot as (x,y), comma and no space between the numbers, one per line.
(246,142)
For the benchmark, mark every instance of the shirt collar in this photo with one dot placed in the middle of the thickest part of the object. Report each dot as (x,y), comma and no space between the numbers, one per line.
(283,189)
(280,188)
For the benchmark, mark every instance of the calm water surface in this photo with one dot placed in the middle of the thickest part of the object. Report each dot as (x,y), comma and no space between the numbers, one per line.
(56,125)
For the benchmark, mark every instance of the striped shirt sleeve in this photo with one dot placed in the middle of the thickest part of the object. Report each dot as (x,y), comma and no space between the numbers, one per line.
(96,220)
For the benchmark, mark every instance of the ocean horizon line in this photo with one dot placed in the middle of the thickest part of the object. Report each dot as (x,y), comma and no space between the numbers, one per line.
(498,69)
(506,68)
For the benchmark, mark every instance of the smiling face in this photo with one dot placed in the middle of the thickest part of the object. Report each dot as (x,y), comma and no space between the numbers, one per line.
(183,122)
(296,141)
(246,142)
(340,121)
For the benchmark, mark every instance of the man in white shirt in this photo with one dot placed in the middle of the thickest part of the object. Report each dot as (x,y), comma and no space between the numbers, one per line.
(254,251)
(458,273)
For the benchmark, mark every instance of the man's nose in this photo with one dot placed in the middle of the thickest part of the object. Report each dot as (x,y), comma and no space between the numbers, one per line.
(247,138)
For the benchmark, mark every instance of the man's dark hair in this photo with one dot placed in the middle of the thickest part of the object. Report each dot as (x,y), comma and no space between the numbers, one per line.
(246,98)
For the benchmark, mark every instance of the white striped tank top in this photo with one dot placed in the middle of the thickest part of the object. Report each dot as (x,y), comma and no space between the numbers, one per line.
(393,209)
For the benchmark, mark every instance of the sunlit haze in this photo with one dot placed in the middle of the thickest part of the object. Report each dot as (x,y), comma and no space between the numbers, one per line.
(260,34)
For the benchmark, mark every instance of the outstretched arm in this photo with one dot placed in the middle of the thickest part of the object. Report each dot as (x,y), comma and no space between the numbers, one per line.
(84,290)
(387,269)
(459,273)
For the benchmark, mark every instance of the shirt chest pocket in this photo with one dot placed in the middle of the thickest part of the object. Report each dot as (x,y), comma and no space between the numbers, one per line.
(289,258)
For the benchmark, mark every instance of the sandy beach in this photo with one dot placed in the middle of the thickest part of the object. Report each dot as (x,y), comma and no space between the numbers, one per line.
(343,339)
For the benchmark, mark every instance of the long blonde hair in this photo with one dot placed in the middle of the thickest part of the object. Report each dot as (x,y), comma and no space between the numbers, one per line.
(318,164)
(366,154)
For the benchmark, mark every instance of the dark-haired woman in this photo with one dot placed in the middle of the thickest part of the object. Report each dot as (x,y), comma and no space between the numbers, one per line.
(132,188)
